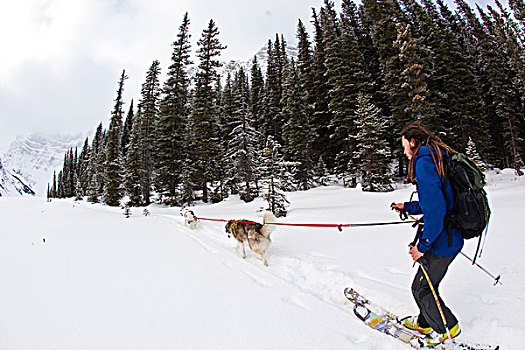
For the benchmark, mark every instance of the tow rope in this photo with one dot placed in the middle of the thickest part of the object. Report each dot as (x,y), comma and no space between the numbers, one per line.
(338,226)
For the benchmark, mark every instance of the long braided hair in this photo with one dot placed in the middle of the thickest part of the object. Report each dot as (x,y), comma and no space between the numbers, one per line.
(424,137)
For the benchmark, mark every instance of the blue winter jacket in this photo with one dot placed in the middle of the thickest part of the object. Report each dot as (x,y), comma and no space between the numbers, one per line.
(433,205)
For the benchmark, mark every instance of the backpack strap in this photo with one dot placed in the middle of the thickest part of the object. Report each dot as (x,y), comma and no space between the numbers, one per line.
(448,222)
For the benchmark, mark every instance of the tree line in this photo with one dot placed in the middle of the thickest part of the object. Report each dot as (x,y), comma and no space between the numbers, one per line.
(334,110)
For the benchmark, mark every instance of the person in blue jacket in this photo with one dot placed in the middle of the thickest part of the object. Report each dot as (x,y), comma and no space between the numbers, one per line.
(436,246)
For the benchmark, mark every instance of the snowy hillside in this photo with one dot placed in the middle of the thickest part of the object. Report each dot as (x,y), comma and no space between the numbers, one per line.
(81,276)
(36,156)
(13,184)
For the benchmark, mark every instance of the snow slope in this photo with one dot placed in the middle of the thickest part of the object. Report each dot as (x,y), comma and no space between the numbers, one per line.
(101,281)
(35,157)
(13,184)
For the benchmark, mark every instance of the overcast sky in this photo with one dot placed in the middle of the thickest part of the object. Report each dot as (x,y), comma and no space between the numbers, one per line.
(60,60)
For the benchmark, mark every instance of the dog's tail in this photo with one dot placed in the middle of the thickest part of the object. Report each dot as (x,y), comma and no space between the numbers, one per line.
(268,217)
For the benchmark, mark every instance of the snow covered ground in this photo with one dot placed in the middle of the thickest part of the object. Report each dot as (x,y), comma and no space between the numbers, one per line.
(75,275)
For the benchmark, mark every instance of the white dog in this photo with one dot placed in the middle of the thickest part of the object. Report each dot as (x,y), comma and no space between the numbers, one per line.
(189,218)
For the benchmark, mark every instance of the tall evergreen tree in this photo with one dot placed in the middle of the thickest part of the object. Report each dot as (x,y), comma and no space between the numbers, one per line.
(174,109)
(134,173)
(500,96)
(54,189)
(456,99)
(147,123)
(273,92)
(344,65)
(510,104)
(242,145)
(83,167)
(188,174)
(227,119)
(320,96)
(413,77)
(113,166)
(373,153)
(298,135)
(204,119)
(126,131)
(305,62)
(95,172)
(60,185)
(273,170)
(383,17)
(257,95)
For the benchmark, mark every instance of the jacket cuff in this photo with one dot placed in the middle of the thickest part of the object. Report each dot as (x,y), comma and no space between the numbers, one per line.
(423,245)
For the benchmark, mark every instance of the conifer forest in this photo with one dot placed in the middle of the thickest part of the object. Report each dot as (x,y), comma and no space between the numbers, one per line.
(333,112)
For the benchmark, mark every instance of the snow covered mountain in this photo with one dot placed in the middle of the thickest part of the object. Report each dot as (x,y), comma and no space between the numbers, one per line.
(233,66)
(13,184)
(32,159)
(262,58)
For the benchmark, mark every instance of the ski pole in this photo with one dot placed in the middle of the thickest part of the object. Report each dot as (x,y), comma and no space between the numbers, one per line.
(496,279)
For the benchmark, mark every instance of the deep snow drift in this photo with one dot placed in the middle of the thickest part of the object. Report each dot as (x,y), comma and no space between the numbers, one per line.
(81,276)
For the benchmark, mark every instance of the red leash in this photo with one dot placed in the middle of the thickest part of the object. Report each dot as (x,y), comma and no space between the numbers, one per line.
(338,226)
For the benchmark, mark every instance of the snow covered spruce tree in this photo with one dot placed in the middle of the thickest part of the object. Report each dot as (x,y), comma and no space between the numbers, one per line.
(372,149)
(134,170)
(174,109)
(188,172)
(204,118)
(318,89)
(272,121)
(298,135)
(242,146)
(95,171)
(227,122)
(82,168)
(113,166)
(496,79)
(274,178)
(413,77)
(382,18)
(452,90)
(139,162)
(257,96)
(148,104)
(345,73)
(473,154)
(126,131)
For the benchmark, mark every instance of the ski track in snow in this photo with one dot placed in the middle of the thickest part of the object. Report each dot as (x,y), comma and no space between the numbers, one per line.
(319,280)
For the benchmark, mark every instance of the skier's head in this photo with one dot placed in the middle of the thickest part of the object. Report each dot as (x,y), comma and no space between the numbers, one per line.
(415,135)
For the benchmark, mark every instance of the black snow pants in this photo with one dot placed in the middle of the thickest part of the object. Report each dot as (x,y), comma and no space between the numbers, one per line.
(429,315)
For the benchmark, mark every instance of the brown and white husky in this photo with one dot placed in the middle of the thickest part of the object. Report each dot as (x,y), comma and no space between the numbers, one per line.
(257,235)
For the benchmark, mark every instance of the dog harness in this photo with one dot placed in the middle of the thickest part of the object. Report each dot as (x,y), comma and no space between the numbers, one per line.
(233,229)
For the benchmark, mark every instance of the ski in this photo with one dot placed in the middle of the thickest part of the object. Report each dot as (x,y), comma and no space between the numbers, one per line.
(385,322)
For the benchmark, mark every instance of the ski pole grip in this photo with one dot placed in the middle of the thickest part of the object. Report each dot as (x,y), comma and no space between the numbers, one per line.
(402,212)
